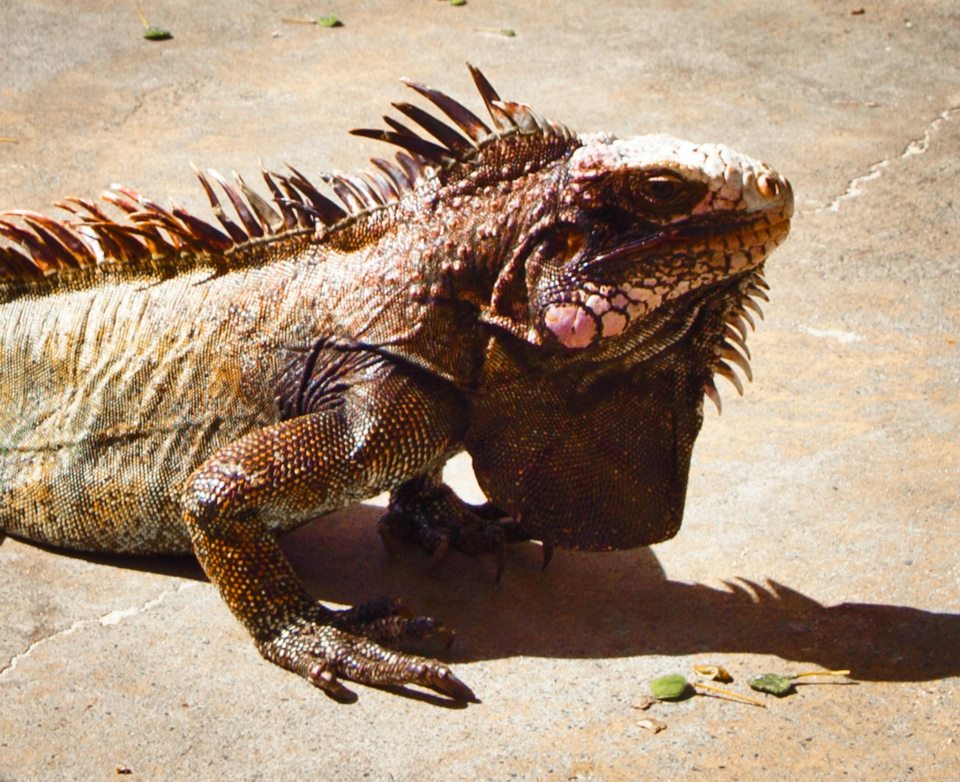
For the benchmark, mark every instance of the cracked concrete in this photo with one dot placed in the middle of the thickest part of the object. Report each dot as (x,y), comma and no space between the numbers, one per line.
(821,526)
(921,145)
(917,146)
(112,617)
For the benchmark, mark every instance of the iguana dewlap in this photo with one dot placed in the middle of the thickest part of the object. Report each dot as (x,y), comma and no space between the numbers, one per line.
(555,304)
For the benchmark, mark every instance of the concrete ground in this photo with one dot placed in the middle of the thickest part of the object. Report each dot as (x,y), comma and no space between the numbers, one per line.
(821,528)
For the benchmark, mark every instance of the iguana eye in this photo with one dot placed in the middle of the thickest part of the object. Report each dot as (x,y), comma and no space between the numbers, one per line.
(662,190)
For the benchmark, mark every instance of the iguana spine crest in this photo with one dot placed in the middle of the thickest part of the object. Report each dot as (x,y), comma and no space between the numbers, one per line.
(43,246)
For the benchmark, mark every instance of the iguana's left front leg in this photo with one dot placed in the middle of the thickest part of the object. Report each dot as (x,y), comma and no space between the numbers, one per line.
(381,430)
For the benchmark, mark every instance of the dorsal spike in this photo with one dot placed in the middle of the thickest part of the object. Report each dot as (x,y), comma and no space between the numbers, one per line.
(352,200)
(520,115)
(489,95)
(310,215)
(202,230)
(15,263)
(92,209)
(440,131)
(324,206)
(380,185)
(412,167)
(266,213)
(151,220)
(120,240)
(465,119)
(235,231)
(79,249)
(249,221)
(146,237)
(307,216)
(124,198)
(101,246)
(63,255)
(398,126)
(25,238)
(370,196)
(147,206)
(393,176)
(153,217)
(290,219)
(418,146)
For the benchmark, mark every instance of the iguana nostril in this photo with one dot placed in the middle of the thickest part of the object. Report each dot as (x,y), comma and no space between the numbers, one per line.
(769,186)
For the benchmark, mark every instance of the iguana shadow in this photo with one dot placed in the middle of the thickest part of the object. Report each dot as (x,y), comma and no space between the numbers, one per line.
(620,604)
(606,605)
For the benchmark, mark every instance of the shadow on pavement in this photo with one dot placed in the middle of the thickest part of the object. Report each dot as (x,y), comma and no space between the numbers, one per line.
(603,605)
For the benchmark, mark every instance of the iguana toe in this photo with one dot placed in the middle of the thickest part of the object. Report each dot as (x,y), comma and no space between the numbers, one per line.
(348,645)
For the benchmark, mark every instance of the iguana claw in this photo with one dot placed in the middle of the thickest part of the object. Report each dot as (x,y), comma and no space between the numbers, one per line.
(448,683)
(441,549)
(547,555)
(329,646)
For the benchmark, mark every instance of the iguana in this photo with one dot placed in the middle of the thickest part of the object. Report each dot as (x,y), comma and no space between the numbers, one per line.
(555,304)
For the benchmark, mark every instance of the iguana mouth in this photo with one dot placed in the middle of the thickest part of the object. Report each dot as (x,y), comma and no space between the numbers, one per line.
(719,249)
(680,235)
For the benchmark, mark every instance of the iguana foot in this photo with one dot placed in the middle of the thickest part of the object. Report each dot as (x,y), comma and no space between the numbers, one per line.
(329,645)
(430,513)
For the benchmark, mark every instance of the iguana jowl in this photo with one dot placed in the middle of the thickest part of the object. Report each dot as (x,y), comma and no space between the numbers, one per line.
(555,304)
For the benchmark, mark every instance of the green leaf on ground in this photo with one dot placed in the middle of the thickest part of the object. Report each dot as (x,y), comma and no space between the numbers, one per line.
(783,684)
(157,34)
(672,687)
(772,684)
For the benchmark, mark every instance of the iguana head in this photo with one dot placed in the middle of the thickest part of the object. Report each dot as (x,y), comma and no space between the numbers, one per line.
(643,222)
(638,223)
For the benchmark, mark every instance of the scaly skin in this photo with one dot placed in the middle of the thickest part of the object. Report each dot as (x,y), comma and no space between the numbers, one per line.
(555,305)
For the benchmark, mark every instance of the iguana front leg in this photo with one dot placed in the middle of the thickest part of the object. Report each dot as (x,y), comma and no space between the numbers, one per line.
(427,511)
(372,435)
